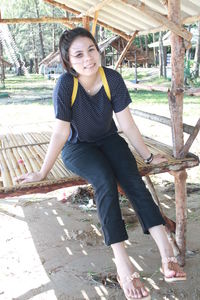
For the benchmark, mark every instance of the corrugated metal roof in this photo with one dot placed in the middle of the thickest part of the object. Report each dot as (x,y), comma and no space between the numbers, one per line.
(129,16)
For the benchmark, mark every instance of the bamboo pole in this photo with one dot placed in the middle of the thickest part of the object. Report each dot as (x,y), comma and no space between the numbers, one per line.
(176,111)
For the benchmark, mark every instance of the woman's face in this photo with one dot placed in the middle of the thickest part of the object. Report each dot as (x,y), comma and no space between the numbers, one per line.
(83,56)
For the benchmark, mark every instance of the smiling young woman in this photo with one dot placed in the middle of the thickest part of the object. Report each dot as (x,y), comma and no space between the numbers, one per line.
(92,148)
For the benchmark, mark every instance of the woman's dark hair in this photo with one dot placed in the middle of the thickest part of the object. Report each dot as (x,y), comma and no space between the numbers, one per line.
(66,39)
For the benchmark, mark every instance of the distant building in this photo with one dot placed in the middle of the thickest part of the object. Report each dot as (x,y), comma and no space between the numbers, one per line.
(51,65)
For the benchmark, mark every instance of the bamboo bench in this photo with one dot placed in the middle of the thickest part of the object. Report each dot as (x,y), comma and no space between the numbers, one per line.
(24,152)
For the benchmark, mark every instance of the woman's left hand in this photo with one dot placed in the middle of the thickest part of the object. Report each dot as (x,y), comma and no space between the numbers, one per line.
(158,158)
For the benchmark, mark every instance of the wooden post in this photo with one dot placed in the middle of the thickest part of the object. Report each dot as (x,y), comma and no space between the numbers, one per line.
(86,22)
(176,111)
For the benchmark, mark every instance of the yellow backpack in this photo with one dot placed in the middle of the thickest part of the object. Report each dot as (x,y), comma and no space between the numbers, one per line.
(104,81)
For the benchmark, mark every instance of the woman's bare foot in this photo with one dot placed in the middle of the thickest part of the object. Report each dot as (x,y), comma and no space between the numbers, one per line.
(171,270)
(129,281)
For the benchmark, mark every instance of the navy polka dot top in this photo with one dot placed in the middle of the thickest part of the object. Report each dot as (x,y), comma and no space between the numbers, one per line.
(91,117)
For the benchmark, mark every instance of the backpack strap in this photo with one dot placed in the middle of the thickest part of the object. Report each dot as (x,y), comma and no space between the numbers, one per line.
(104,81)
(74,92)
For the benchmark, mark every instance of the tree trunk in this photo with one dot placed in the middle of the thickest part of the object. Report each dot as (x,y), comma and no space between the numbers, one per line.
(2,64)
(40,29)
(161,54)
(197,53)
(146,50)
(154,50)
(176,111)
(188,50)
(53,32)
(34,50)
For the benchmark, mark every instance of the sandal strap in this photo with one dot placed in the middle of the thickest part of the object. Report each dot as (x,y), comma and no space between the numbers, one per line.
(169,259)
(133,276)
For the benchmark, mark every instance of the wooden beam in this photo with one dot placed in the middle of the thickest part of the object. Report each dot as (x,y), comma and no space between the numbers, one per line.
(191,20)
(190,140)
(96,7)
(63,20)
(153,30)
(115,30)
(76,12)
(94,25)
(86,22)
(62,6)
(138,5)
(125,49)
(77,19)
(164,3)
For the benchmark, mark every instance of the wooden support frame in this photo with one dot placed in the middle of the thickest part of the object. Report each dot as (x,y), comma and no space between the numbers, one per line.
(180,31)
(190,140)
(64,21)
(125,50)
(94,25)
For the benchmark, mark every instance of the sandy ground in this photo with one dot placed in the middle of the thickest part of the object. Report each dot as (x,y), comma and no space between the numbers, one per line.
(54,250)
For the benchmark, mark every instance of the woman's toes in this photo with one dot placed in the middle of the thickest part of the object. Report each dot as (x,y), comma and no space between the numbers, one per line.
(136,294)
(144,292)
(170,273)
(180,274)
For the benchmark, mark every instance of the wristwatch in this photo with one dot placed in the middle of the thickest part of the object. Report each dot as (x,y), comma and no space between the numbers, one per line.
(149,159)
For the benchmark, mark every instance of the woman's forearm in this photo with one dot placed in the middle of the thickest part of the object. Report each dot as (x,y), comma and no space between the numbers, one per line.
(55,146)
(135,137)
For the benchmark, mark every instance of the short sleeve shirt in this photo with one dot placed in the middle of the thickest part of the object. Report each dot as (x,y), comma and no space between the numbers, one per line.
(90,117)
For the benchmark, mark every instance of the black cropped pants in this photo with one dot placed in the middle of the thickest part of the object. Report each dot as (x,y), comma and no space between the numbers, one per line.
(104,164)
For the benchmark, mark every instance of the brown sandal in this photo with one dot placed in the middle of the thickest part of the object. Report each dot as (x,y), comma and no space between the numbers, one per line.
(135,275)
(173,265)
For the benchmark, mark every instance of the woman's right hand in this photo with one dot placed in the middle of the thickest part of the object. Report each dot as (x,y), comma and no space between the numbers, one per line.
(30,177)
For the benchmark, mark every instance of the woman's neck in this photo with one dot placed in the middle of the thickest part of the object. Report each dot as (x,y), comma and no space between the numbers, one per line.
(91,83)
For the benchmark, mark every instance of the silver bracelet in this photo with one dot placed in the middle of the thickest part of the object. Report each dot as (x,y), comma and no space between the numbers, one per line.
(149,159)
